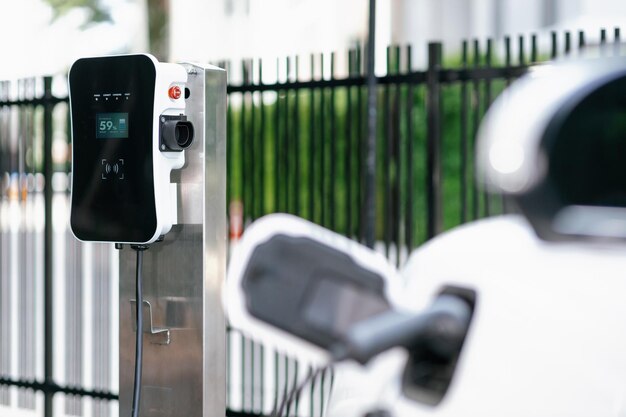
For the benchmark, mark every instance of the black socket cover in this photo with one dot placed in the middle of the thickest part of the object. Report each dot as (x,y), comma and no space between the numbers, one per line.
(176,133)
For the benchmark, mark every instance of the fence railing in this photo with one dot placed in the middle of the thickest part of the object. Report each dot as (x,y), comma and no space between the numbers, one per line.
(295,146)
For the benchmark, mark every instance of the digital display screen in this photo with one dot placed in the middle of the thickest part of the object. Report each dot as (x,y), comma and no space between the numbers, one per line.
(111,125)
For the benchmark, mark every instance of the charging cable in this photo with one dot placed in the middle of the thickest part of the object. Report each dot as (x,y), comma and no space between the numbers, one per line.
(139,332)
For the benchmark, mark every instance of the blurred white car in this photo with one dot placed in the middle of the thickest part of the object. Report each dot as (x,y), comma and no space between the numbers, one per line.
(517,315)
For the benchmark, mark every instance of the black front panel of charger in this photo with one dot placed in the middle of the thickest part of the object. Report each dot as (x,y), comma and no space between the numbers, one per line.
(112,185)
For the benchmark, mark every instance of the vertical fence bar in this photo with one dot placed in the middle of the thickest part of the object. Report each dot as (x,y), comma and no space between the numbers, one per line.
(386,164)
(296,140)
(616,36)
(249,141)
(252,367)
(322,148)
(286,178)
(287,385)
(293,386)
(243,371)
(486,103)
(507,83)
(408,234)
(253,151)
(554,51)
(242,150)
(568,42)
(507,57)
(333,148)
(533,48)
(433,185)
(322,384)
(276,143)
(360,143)
(475,121)
(311,395)
(348,150)
(229,357)
(311,164)
(581,39)
(297,402)
(602,41)
(48,284)
(6,281)
(261,378)
(276,379)
(369,224)
(262,147)
(464,104)
(397,163)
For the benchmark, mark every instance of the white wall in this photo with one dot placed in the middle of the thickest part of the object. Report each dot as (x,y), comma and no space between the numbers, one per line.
(420,21)
(205,31)
(202,29)
(417,22)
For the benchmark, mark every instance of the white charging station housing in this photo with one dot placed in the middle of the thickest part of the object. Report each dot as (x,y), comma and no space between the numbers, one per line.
(121,190)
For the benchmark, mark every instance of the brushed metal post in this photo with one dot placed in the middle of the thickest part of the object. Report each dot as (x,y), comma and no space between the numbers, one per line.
(184,274)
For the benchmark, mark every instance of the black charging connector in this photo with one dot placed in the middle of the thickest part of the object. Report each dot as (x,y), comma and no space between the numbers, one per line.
(440,329)
(176,133)
(139,333)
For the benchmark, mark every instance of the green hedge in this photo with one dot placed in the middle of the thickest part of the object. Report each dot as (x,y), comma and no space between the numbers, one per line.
(268,152)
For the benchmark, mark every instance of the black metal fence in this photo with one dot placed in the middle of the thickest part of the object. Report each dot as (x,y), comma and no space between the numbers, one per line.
(295,146)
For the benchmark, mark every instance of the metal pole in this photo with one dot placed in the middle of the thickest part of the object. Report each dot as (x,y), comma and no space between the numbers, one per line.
(370,147)
(48,295)
(184,354)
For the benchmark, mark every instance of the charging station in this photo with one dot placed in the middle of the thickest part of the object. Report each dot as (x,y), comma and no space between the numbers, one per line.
(149,175)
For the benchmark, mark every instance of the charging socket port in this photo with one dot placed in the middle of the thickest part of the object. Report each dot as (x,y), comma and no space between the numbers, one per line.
(175,133)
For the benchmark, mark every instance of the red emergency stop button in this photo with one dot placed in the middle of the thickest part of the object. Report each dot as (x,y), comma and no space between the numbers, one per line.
(174,92)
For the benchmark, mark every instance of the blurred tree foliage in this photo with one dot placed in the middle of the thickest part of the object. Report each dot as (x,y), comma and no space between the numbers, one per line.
(158,19)
(97,12)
